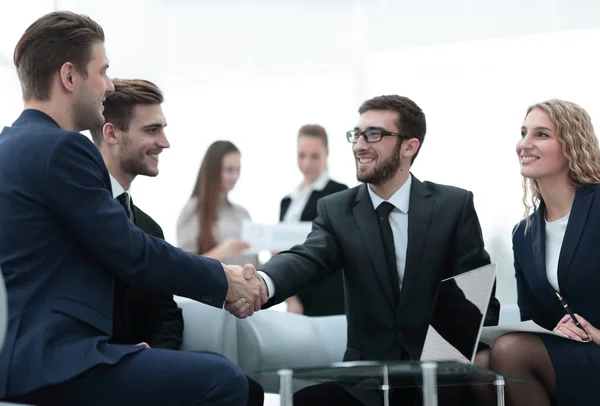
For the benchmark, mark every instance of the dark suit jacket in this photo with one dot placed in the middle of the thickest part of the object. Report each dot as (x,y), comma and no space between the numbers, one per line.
(142,316)
(444,239)
(62,240)
(310,210)
(327,298)
(578,267)
(577,365)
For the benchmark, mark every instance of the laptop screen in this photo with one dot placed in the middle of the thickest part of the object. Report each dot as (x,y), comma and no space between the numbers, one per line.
(458,315)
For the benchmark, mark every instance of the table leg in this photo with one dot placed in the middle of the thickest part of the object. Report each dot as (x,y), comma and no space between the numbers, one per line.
(385,387)
(430,397)
(499,384)
(285,387)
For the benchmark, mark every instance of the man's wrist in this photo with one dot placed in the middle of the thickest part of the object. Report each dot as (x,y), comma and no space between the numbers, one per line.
(263,283)
(268,283)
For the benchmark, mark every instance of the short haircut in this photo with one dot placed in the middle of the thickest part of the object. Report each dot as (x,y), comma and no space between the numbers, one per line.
(411,119)
(119,105)
(50,42)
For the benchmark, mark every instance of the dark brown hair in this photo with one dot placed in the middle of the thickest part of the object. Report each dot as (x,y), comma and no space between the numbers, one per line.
(50,42)
(119,105)
(208,190)
(316,131)
(411,119)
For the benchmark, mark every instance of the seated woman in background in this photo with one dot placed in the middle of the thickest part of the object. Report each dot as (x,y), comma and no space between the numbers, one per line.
(210,224)
(301,205)
(555,250)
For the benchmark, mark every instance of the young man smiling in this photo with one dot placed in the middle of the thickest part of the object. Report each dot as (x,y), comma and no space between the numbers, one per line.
(394,236)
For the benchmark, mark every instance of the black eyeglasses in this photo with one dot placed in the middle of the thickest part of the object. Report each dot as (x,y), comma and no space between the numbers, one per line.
(371,135)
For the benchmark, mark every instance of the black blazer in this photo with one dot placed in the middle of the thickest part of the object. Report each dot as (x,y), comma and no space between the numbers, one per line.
(578,264)
(327,298)
(310,210)
(142,316)
(578,280)
(444,239)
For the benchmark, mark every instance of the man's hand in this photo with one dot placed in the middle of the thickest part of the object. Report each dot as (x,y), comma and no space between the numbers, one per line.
(247,291)
(243,307)
(294,305)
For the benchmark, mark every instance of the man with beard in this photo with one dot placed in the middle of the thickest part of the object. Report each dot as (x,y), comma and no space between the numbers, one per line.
(63,239)
(394,236)
(130,141)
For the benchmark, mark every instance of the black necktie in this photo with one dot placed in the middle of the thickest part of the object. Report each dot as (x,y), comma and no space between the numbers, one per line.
(120,331)
(123,198)
(383,211)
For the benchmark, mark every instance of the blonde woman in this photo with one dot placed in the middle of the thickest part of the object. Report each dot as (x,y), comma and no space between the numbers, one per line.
(556,250)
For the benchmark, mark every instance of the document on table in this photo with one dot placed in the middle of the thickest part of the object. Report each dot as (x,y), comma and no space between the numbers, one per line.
(274,237)
(491,333)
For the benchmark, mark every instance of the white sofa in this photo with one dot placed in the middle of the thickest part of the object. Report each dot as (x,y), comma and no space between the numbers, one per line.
(272,339)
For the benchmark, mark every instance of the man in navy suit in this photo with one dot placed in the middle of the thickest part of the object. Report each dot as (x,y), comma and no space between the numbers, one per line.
(63,239)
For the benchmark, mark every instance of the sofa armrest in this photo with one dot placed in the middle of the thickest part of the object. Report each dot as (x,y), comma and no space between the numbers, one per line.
(509,314)
(274,340)
(206,328)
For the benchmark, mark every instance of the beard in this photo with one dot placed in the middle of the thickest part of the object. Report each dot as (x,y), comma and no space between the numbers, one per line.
(86,113)
(134,163)
(384,171)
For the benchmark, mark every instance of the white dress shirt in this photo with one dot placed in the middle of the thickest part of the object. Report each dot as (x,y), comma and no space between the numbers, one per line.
(118,190)
(300,197)
(398,222)
(555,233)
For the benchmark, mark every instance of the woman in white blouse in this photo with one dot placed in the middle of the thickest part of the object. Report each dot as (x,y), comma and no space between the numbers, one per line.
(557,263)
(210,224)
(301,205)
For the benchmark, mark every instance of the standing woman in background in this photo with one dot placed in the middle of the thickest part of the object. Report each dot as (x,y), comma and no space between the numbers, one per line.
(301,205)
(210,224)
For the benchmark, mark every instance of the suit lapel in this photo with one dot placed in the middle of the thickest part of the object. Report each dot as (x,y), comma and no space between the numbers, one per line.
(419,220)
(538,236)
(577,219)
(133,210)
(368,227)
(285,204)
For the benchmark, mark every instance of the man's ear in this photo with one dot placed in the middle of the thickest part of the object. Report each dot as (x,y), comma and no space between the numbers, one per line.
(410,147)
(109,133)
(66,75)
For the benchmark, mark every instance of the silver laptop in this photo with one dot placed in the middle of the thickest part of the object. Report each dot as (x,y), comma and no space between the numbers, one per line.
(458,315)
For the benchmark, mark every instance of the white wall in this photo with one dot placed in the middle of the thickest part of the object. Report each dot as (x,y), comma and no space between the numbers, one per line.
(254,72)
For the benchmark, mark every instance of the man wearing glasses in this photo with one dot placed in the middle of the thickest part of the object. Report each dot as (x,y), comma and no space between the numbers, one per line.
(395,238)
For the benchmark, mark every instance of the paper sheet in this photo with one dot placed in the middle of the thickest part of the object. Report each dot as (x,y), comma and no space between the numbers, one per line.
(490,334)
(275,237)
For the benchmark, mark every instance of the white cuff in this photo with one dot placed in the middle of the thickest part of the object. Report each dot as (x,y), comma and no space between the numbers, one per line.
(269,282)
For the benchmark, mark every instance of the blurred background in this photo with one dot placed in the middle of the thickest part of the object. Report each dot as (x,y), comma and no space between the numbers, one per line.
(253,72)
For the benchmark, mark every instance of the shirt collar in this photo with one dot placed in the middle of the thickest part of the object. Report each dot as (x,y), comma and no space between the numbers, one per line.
(322,181)
(117,189)
(400,199)
(318,185)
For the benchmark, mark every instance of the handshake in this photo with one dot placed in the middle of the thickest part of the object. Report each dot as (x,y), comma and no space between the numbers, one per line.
(247,290)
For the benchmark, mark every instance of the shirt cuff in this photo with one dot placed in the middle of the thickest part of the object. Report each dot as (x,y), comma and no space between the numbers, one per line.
(269,282)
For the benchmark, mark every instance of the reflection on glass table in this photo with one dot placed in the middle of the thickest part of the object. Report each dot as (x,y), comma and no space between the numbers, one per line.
(384,376)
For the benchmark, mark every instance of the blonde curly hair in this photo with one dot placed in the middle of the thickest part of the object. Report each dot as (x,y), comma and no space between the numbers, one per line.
(575,132)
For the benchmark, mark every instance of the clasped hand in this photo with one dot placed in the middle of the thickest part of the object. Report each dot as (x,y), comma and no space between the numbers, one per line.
(247,291)
(567,327)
